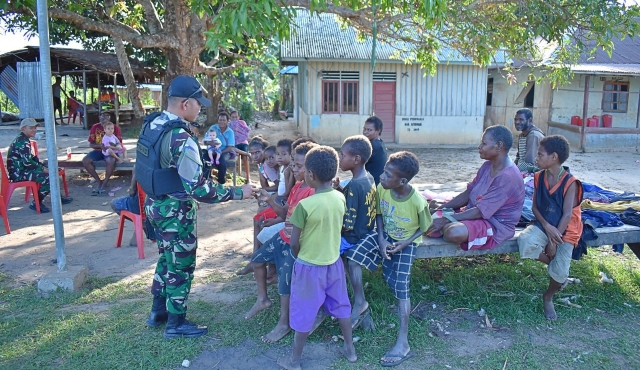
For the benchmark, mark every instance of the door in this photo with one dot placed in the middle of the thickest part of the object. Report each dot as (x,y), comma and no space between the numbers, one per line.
(384,107)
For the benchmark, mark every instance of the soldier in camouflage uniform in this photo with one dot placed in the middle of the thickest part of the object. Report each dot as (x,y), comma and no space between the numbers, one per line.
(174,216)
(22,165)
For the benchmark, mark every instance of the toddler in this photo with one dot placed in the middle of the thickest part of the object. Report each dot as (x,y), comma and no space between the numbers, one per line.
(214,149)
(111,146)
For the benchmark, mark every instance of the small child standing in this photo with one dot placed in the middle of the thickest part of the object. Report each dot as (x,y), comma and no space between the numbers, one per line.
(112,147)
(214,147)
(402,215)
(359,220)
(558,225)
(318,278)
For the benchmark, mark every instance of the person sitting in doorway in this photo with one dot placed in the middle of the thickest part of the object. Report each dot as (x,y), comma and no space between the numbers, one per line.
(95,142)
(528,141)
(22,165)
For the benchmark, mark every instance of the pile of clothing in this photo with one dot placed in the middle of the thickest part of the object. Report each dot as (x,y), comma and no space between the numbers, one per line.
(605,208)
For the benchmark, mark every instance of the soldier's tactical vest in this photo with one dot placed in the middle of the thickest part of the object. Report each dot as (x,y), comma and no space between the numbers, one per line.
(155,180)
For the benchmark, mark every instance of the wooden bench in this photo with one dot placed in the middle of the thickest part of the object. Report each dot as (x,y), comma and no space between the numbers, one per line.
(437,247)
(128,166)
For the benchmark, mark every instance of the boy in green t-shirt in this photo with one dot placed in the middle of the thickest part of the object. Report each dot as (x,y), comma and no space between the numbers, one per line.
(318,279)
(404,215)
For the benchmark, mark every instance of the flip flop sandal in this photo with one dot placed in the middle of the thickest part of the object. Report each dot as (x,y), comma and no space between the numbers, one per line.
(365,314)
(396,363)
(95,192)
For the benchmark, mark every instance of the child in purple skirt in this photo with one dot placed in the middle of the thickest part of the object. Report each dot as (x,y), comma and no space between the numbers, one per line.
(318,279)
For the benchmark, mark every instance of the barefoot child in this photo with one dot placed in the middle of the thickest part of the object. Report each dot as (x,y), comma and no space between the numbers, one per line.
(558,225)
(402,215)
(112,147)
(359,219)
(278,250)
(264,156)
(318,279)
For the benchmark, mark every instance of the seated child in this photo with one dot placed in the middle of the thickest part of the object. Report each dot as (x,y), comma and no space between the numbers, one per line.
(278,250)
(264,156)
(402,215)
(318,280)
(558,225)
(283,157)
(23,165)
(112,147)
(213,147)
(359,220)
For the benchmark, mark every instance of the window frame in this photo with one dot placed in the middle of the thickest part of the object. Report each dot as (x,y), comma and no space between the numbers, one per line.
(617,94)
(330,82)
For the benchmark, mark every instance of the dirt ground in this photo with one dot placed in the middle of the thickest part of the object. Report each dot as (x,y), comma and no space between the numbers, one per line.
(225,230)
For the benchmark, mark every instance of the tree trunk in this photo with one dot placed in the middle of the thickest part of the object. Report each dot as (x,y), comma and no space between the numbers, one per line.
(127,73)
(213,86)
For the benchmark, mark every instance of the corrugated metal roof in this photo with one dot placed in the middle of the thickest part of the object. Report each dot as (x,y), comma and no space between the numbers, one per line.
(607,68)
(320,36)
(289,70)
(626,51)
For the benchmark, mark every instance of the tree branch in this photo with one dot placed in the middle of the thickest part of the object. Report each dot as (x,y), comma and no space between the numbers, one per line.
(151,15)
(116,29)
(212,71)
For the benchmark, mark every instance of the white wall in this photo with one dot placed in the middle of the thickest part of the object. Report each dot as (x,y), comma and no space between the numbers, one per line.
(451,103)
(570,103)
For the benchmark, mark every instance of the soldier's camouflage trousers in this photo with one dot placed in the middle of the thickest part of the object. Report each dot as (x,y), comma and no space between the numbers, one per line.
(175,226)
(39,177)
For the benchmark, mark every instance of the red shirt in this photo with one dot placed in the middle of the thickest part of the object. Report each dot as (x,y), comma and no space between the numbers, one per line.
(295,196)
(97,133)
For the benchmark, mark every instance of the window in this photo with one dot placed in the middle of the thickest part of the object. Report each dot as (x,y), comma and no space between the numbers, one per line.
(616,100)
(489,92)
(526,95)
(340,92)
(528,100)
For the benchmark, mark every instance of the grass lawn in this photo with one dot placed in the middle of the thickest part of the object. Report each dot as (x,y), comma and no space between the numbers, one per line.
(102,327)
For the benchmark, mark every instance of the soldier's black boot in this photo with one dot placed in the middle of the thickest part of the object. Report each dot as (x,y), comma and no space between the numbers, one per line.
(179,327)
(159,314)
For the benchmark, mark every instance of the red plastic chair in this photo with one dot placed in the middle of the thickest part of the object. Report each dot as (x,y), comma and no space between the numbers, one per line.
(138,223)
(3,213)
(61,172)
(7,187)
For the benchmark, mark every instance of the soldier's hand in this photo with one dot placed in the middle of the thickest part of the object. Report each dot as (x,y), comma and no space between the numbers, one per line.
(248,191)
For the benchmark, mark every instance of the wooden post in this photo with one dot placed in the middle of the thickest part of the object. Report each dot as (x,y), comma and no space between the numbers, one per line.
(585,109)
(99,103)
(116,103)
(84,93)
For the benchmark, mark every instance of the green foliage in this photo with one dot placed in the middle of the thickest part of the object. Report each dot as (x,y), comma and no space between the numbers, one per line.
(246,111)
(7,105)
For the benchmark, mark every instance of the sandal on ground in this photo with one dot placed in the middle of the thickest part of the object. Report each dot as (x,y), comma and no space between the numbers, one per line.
(95,192)
(363,315)
(400,360)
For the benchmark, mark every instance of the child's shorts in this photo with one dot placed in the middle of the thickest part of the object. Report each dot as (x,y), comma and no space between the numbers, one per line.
(533,241)
(313,287)
(480,235)
(268,232)
(275,250)
(396,271)
(265,214)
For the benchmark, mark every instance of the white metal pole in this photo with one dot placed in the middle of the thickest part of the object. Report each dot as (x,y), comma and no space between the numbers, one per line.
(50,129)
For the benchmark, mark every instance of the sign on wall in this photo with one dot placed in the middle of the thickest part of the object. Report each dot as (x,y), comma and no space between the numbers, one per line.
(410,124)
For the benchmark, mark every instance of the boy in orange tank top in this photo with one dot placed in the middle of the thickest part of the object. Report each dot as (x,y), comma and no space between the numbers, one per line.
(558,225)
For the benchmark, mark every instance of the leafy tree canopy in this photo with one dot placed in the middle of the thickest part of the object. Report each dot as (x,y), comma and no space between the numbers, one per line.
(237,29)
